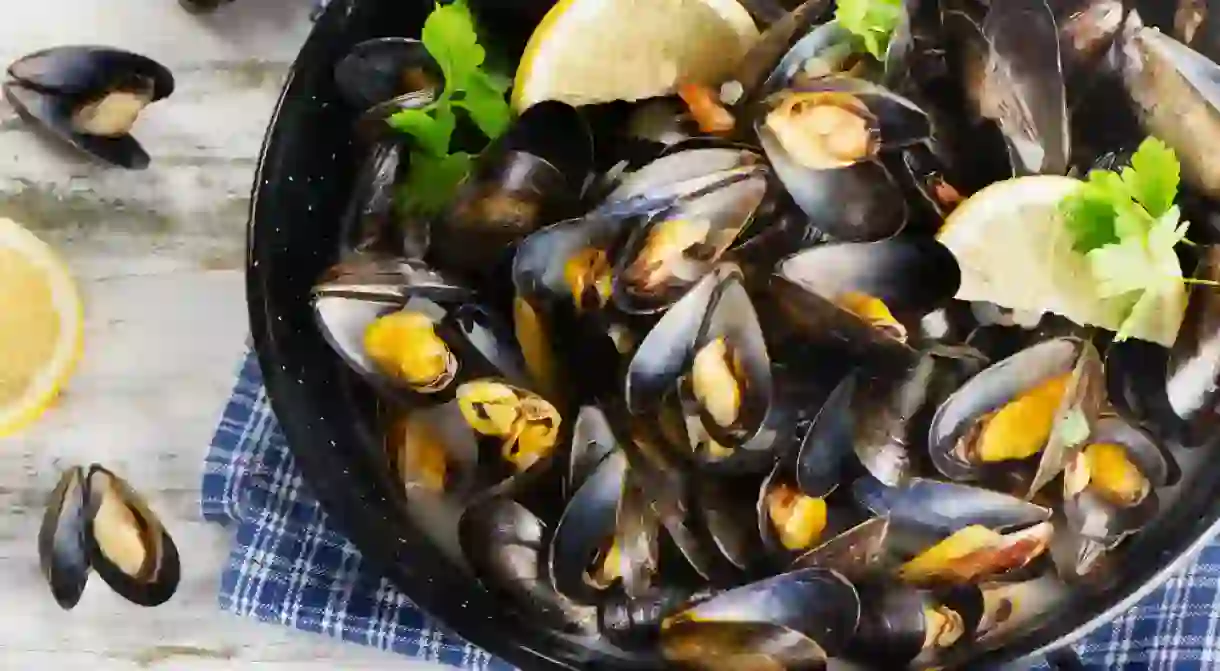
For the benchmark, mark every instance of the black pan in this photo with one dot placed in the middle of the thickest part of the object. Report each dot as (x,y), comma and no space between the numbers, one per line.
(308,163)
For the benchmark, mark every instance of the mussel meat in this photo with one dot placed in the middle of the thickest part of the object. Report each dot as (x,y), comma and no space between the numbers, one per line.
(789,520)
(975,553)
(89,97)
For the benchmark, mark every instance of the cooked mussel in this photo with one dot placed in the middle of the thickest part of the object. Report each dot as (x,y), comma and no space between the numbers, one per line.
(1039,401)
(941,508)
(976,553)
(126,543)
(708,351)
(531,176)
(902,626)
(522,425)
(857,553)
(409,331)
(383,75)
(789,521)
(636,621)
(61,540)
(1012,71)
(694,203)
(1109,488)
(1193,374)
(814,611)
(607,535)
(823,139)
(89,97)
(505,544)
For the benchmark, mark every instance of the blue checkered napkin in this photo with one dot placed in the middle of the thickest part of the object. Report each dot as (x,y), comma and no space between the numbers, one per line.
(288,564)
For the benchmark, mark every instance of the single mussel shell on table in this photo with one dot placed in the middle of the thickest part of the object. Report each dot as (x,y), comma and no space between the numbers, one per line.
(1193,369)
(89,97)
(126,543)
(1109,488)
(708,351)
(823,140)
(1012,71)
(505,544)
(607,536)
(61,540)
(1039,402)
(409,331)
(387,74)
(695,202)
(816,604)
(533,175)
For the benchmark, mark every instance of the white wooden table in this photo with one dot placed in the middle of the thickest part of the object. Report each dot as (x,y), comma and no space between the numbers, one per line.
(159,257)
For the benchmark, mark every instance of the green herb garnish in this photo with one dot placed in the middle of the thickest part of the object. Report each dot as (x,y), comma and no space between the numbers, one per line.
(873,21)
(1127,226)
(450,38)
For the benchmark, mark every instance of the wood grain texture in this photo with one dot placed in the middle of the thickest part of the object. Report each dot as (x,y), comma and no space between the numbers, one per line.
(158,254)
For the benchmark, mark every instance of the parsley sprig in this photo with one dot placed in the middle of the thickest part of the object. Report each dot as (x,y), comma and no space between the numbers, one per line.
(1127,226)
(450,38)
(873,21)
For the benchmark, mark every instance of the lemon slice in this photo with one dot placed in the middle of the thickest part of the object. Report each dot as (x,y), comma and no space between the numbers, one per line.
(41,326)
(1015,251)
(594,51)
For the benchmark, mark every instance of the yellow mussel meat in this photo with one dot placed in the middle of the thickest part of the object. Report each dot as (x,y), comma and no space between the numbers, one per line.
(404,346)
(798,520)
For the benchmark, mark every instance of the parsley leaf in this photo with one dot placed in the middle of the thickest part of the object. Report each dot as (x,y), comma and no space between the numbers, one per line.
(486,105)
(873,21)
(450,38)
(431,181)
(1152,180)
(432,133)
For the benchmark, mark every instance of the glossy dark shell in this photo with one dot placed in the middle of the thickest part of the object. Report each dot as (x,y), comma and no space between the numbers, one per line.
(379,70)
(945,507)
(61,540)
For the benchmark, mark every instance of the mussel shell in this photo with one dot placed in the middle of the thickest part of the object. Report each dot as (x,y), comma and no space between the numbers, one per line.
(538,266)
(504,542)
(1193,375)
(893,624)
(911,275)
(50,113)
(380,69)
(61,540)
(730,523)
(990,390)
(368,224)
(636,622)
(856,553)
(86,71)
(826,50)
(726,207)
(593,439)
(764,57)
(109,501)
(945,507)
(816,602)
(733,646)
(818,321)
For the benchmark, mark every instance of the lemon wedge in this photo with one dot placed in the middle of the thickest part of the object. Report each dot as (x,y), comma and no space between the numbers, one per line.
(1015,251)
(594,51)
(41,326)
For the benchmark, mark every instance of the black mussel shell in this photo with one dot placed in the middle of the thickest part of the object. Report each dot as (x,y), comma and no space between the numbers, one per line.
(1009,379)
(699,214)
(636,622)
(593,439)
(857,553)
(89,97)
(381,69)
(127,545)
(369,225)
(606,519)
(716,313)
(731,646)
(899,625)
(531,176)
(815,602)
(945,507)
(827,50)
(541,265)
(765,56)
(1193,375)
(61,540)
(504,543)
(818,321)
(430,451)
(729,519)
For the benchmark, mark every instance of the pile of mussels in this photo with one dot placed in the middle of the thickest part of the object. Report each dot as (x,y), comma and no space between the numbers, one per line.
(711,397)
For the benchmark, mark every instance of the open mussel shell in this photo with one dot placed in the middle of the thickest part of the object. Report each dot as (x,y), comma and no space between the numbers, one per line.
(816,602)
(89,97)
(764,58)
(1036,403)
(516,431)
(61,540)
(834,176)
(1109,488)
(900,625)
(569,261)
(697,214)
(531,176)
(942,508)
(731,646)
(730,519)
(976,553)
(635,622)
(710,346)
(505,544)
(1193,374)
(789,521)
(606,535)
(126,543)
(857,553)
(593,439)
(428,448)
(378,70)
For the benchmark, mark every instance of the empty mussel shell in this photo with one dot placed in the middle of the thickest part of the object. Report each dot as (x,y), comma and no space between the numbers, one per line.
(945,507)
(504,543)
(89,97)
(61,540)
(379,70)
(126,543)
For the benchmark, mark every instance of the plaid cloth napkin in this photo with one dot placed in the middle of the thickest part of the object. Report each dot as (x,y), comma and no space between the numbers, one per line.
(289,566)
